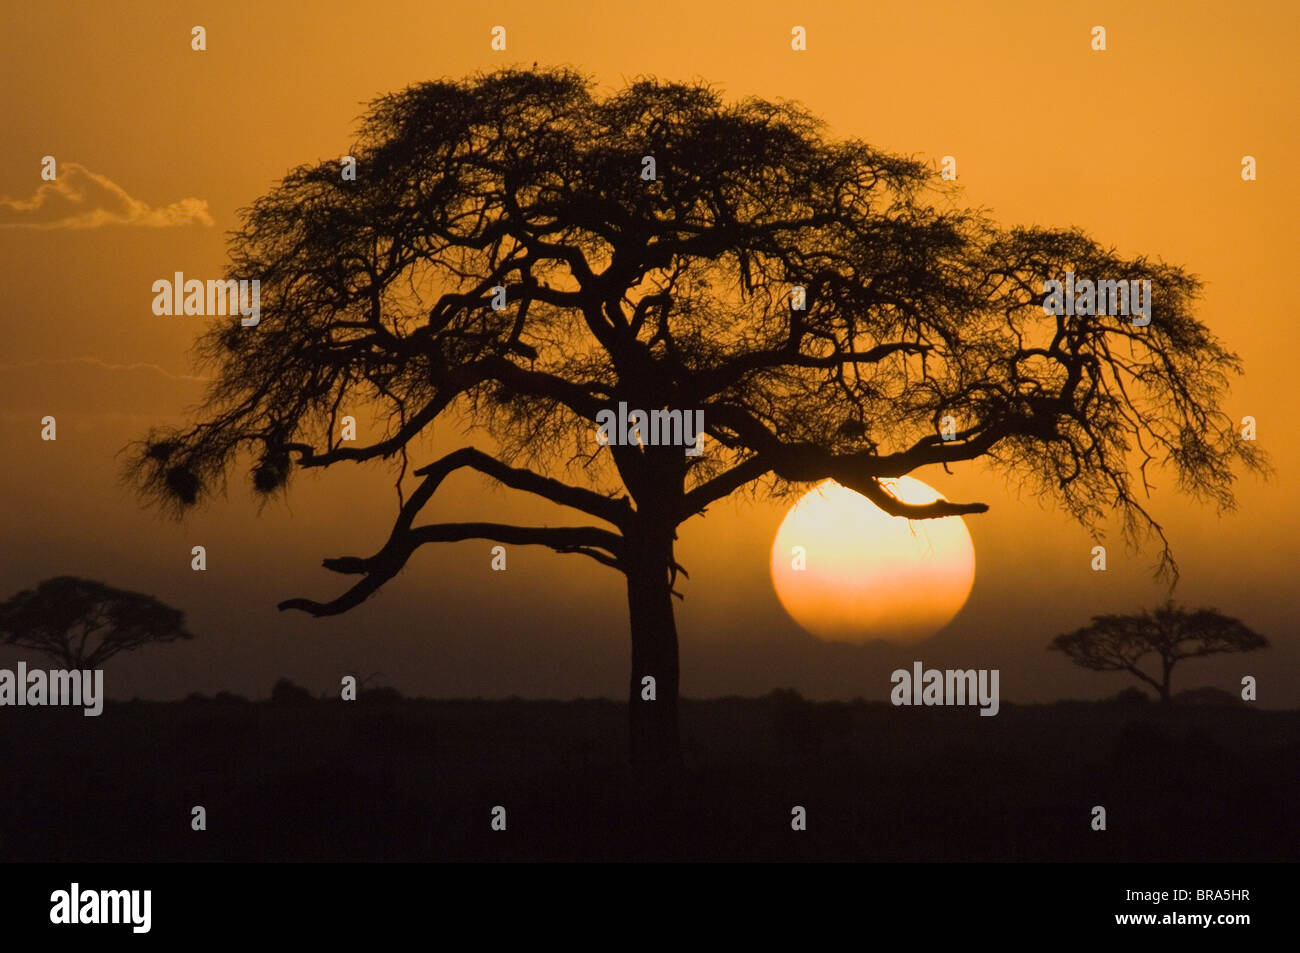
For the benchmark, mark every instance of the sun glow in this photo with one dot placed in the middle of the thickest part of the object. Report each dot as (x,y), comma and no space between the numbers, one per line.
(865,574)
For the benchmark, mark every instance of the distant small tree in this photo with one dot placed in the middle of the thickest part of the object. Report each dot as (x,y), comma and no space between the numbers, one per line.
(1117,643)
(84,623)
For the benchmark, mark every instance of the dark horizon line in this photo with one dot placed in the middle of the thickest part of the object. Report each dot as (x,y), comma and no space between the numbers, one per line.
(385,694)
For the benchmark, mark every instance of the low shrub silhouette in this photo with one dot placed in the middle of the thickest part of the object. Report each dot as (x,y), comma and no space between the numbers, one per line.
(1208,696)
(382,695)
(285,692)
(1132,698)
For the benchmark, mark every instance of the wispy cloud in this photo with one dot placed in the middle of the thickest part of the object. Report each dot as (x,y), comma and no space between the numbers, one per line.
(79,198)
(97,362)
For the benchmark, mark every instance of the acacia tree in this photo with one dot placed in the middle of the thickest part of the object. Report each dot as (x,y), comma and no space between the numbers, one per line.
(84,623)
(507,258)
(1118,643)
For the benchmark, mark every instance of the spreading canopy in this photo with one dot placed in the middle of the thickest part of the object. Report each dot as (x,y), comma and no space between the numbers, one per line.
(1119,643)
(677,292)
(84,623)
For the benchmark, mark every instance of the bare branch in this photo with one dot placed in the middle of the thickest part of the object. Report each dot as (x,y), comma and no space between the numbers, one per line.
(600,545)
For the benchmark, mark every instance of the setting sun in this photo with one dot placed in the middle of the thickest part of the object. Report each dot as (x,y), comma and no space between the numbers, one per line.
(861,574)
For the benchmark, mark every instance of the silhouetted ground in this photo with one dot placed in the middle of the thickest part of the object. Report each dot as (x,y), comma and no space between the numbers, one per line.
(416,780)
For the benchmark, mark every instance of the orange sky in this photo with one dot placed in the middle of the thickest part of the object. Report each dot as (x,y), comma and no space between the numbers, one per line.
(1140,145)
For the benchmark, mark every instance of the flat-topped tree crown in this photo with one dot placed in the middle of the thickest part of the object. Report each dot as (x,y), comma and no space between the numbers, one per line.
(83,623)
(506,256)
(1169,634)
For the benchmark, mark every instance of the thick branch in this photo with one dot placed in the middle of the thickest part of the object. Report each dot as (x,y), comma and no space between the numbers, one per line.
(617,512)
(389,561)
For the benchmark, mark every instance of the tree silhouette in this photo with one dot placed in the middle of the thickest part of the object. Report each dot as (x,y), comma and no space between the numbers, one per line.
(1117,643)
(84,623)
(675,288)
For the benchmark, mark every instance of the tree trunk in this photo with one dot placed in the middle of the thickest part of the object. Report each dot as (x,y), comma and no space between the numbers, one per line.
(1164,682)
(652,705)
